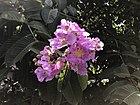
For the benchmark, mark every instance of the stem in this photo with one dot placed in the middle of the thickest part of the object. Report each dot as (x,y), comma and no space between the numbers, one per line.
(31,32)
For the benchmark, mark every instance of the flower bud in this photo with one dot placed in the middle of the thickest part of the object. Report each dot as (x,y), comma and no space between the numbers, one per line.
(39,56)
(34,60)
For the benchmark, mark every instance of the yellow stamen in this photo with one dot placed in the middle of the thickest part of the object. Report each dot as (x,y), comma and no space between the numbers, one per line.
(78,53)
(64,42)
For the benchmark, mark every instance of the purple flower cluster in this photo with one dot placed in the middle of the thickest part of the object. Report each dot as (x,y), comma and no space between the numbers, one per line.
(77,48)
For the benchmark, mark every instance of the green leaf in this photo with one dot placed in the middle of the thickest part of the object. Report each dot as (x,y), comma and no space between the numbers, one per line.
(62,4)
(3,72)
(57,99)
(13,15)
(18,50)
(125,45)
(120,71)
(48,92)
(131,66)
(52,15)
(73,92)
(130,54)
(37,47)
(5,7)
(136,74)
(61,80)
(49,15)
(122,92)
(49,3)
(34,16)
(38,25)
(135,2)
(40,1)
(30,6)
(7,44)
(52,27)
(107,93)
(43,35)
(83,80)
(72,10)
(32,9)
(35,100)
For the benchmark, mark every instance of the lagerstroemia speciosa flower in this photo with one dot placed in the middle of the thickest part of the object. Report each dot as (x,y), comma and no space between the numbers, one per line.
(76,49)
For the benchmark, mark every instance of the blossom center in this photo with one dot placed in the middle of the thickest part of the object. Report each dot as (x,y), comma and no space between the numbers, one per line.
(78,53)
(64,42)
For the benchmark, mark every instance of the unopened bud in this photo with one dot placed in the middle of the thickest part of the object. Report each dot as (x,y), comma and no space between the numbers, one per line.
(57,76)
(39,56)
(37,64)
(34,60)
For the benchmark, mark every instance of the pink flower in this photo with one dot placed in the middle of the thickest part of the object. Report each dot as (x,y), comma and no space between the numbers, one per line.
(48,71)
(77,46)
(43,74)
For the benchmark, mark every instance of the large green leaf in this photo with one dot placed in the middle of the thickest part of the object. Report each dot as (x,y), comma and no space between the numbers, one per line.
(48,92)
(5,6)
(120,71)
(13,15)
(122,92)
(34,16)
(62,4)
(49,3)
(38,25)
(135,2)
(113,87)
(73,91)
(52,26)
(7,44)
(41,30)
(49,15)
(35,100)
(83,80)
(125,45)
(72,10)
(37,47)
(31,5)
(136,74)
(32,8)
(18,50)
(130,54)
(43,35)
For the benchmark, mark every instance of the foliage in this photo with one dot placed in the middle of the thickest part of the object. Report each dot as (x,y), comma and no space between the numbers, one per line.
(25,27)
